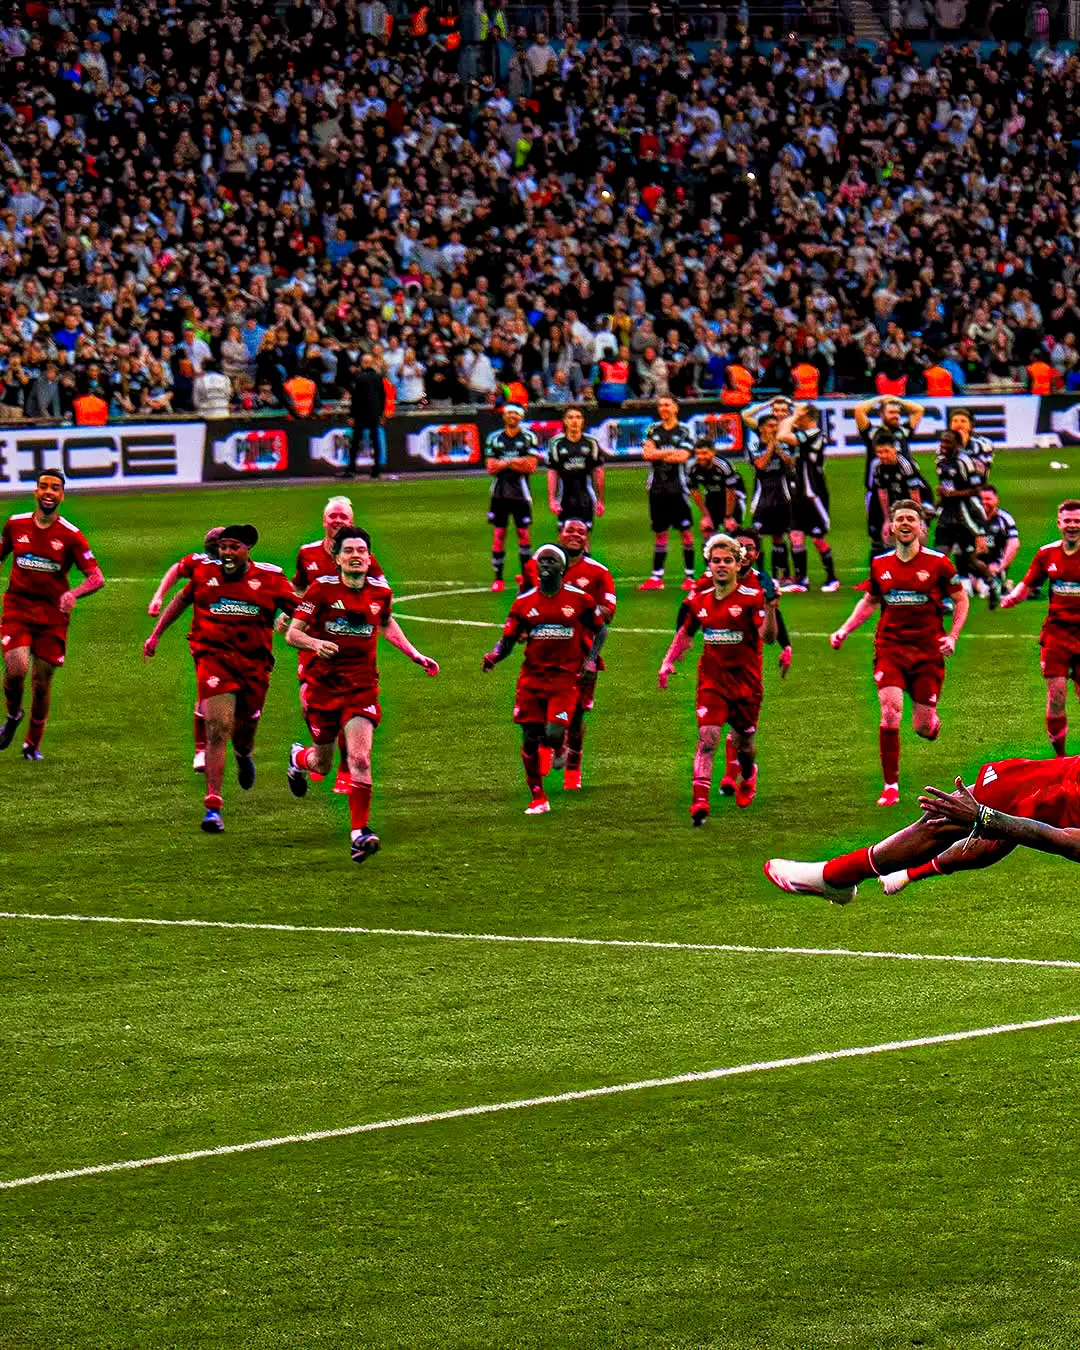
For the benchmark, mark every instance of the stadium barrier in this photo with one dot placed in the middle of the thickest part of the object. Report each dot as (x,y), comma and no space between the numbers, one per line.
(436,440)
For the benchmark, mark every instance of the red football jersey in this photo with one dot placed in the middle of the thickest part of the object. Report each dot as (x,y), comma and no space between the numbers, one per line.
(351,618)
(237,616)
(556,628)
(315,560)
(912,595)
(1062,570)
(1041,789)
(41,561)
(730,665)
(587,575)
(187,564)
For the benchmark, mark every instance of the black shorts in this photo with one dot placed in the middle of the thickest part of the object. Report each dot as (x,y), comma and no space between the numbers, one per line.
(505,509)
(772,518)
(577,508)
(811,515)
(716,509)
(953,535)
(669,513)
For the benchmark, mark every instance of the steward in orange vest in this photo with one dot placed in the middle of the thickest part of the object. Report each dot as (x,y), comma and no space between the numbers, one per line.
(1042,377)
(300,395)
(807,382)
(740,387)
(91,411)
(939,382)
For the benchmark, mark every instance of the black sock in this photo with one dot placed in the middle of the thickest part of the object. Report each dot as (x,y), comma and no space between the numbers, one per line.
(798,562)
(828,564)
(688,559)
(498,561)
(659,558)
(779,559)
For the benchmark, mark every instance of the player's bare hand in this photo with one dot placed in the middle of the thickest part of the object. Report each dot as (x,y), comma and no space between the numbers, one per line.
(553,506)
(785,662)
(427,664)
(154,607)
(950,808)
(66,603)
(325,650)
(149,647)
(664,674)
(1008,601)
(489,662)
(836,641)
(946,644)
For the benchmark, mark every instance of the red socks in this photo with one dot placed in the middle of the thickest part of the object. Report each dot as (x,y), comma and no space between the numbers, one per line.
(39,716)
(13,694)
(731,758)
(889,747)
(547,754)
(1055,729)
(701,793)
(924,870)
(359,804)
(850,869)
(212,801)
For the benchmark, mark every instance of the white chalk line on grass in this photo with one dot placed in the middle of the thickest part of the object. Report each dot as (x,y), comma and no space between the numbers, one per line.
(643,944)
(526,1103)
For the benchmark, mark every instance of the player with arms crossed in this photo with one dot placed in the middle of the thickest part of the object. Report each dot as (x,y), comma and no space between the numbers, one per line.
(1059,564)
(909,586)
(717,489)
(1032,803)
(511,454)
(732,616)
(575,475)
(232,633)
(38,603)
(337,624)
(667,446)
(563,632)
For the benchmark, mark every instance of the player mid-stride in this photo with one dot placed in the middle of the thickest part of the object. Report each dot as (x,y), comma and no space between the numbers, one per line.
(563,631)
(43,547)
(732,617)
(338,623)
(1034,803)
(910,586)
(1058,563)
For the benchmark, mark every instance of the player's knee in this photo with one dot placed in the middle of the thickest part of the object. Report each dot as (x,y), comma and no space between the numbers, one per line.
(709,737)
(662,539)
(218,730)
(891,719)
(798,539)
(17,663)
(554,733)
(499,536)
(359,763)
(687,538)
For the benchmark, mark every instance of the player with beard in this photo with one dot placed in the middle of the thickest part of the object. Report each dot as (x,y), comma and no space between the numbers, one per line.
(667,447)
(38,604)
(733,618)
(183,570)
(563,632)
(908,587)
(900,416)
(575,473)
(810,500)
(235,602)
(1059,564)
(337,624)
(511,454)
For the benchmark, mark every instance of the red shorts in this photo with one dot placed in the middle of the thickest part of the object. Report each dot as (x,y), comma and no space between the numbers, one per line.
(47,641)
(1059,657)
(920,678)
(214,676)
(327,711)
(740,714)
(1035,788)
(552,701)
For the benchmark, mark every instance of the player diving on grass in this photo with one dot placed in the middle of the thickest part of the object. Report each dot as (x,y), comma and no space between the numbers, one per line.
(1033,803)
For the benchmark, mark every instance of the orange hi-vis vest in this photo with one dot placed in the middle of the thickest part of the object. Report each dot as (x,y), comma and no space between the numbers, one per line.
(301,392)
(1042,377)
(807,381)
(91,411)
(740,388)
(939,382)
(896,388)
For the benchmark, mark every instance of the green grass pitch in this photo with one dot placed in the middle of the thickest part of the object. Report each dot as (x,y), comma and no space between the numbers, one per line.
(918,1197)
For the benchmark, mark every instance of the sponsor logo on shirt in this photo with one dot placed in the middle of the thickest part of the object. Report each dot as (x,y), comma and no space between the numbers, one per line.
(337,605)
(722,637)
(906,598)
(1066,588)
(343,628)
(234,609)
(553,632)
(32,563)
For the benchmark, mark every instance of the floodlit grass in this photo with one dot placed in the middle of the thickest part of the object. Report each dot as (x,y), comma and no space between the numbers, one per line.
(918,1197)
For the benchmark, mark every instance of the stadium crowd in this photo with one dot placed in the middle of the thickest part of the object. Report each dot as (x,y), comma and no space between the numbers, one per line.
(201,205)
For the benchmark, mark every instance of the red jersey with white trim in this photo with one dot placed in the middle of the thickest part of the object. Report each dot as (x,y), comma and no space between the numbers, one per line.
(913,597)
(315,560)
(1062,570)
(730,665)
(555,628)
(187,564)
(236,615)
(587,574)
(42,557)
(352,618)
(1040,789)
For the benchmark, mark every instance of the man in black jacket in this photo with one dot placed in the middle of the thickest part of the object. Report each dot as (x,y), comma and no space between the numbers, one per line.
(368,409)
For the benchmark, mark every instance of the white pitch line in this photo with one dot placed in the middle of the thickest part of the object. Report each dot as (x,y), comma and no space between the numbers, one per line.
(644,944)
(526,1103)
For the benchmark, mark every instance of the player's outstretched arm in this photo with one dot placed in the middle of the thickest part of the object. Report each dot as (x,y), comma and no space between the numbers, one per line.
(961,808)
(553,491)
(1016,596)
(864,610)
(164,586)
(679,647)
(176,606)
(95,580)
(392,633)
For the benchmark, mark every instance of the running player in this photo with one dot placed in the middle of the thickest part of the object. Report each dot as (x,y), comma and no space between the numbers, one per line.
(38,604)
(575,473)
(909,586)
(1002,543)
(732,616)
(337,624)
(235,601)
(810,501)
(770,506)
(1033,803)
(667,446)
(563,632)
(961,526)
(717,489)
(184,570)
(1059,564)
(511,454)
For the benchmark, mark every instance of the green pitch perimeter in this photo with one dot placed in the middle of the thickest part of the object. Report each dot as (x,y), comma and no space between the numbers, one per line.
(923,1196)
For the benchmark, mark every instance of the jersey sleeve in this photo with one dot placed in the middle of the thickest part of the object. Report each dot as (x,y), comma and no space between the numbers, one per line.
(299,573)
(285,596)
(307,607)
(386,612)
(873,586)
(82,554)
(608,599)
(948,580)
(1037,571)
(1011,532)
(186,566)
(554,456)
(516,623)
(596,453)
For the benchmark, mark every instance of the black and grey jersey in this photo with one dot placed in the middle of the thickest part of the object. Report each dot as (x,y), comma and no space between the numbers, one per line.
(508,484)
(669,480)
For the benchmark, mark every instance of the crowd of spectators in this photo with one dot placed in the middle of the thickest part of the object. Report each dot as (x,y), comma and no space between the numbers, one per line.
(256,192)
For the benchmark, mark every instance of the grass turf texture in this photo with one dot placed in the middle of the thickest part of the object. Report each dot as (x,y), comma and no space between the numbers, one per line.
(903,1199)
